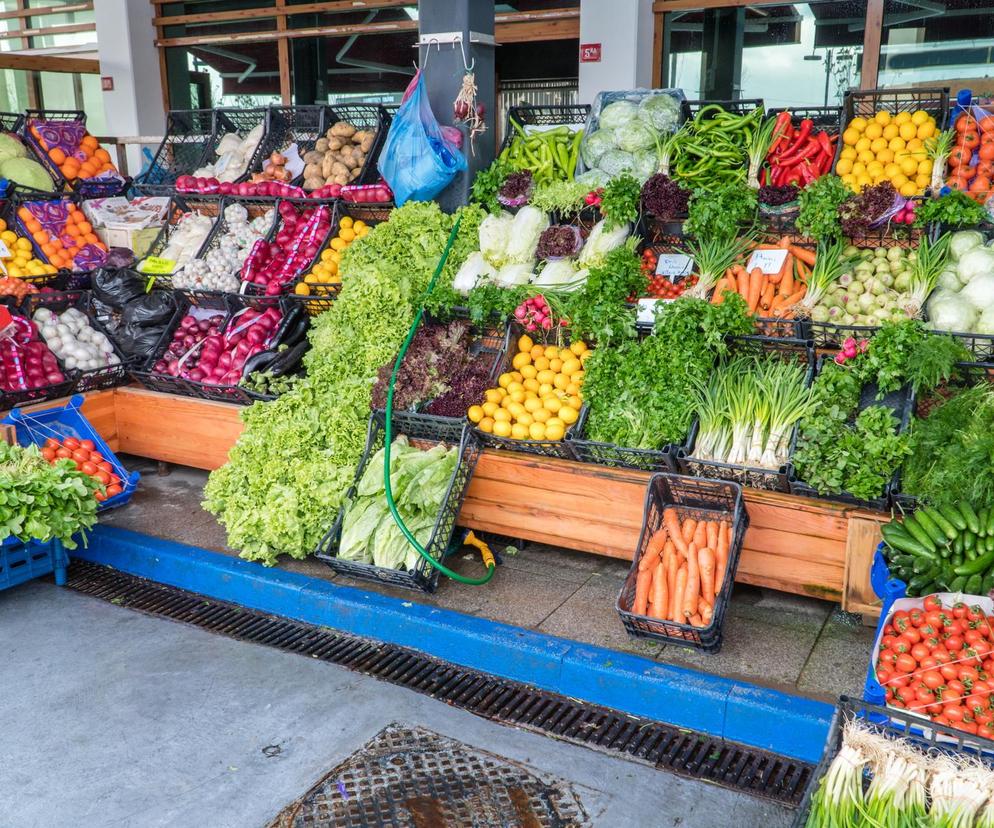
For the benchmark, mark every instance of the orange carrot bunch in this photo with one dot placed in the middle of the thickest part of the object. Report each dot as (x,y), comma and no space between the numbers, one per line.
(95,158)
(770,294)
(61,250)
(683,570)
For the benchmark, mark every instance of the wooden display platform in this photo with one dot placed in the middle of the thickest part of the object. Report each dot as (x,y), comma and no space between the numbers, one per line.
(798,545)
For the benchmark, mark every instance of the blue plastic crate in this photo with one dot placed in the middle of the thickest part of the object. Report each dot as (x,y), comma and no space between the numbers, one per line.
(888,590)
(21,562)
(35,427)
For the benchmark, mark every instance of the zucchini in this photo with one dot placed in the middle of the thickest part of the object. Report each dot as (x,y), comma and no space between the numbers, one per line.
(904,542)
(970,516)
(939,520)
(926,523)
(953,515)
(958,583)
(973,584)
(915,530)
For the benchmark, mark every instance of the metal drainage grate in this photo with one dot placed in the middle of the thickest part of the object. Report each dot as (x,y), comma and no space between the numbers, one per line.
(410,777)
(684,752)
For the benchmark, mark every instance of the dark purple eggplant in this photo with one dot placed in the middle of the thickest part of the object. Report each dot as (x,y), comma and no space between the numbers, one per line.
(289,360)
(260,361)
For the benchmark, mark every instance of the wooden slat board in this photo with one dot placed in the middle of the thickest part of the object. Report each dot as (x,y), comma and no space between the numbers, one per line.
(808,547)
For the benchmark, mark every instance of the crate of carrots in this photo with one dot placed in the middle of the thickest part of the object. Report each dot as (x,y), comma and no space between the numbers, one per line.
(773,279)
(681,577)
(61,233)
(71,155)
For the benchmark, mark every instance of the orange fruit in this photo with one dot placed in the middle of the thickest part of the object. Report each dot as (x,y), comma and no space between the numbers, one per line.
(32,224)
(72,208)
(41,237)
(24,214)
(91,238)
(48,249)
(89,142)
(101,154)
(57,156)
(84,227)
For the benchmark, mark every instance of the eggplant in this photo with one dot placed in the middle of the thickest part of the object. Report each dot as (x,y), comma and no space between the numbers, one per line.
(297,332)
(289,360)
(286,332)
(260,361)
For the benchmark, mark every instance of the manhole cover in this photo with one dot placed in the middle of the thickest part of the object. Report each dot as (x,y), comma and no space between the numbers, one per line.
(414,778)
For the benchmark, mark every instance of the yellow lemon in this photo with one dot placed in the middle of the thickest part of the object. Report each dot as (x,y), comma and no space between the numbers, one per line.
(892,169)
(578,376)
(561,381)
(526,419)
(489,408)
(546,377)
(528,371)
(9,237)
(556,365)
(850,137)
(897,144)
(554,421)
(572,389)
(873,130)
(492,395)
(551,352)
(346,221)
(537,352)
(898,180)
(517,396)
(922,180)
(862,181)
(908,165)
(874,169)
(516,409)
(336,256)
(919,117)
(578,347)
(520,360)
(878,145)
(866,156)
(531,384)
(882,117)
(568,414)
(849,180)
(514,386)
(858,123)
(545,389)
(533,404)
(502,428)
(902,118)
(552,404)
(863,144)
(908,189)
(536,431)
(303,289)
(346,234)
(542,363)
(501,415)
(486,425)
(541,414)
(844,167)
(848,152)
(519,431)
(554,432)
(916,145)
(908,131)
(339,244)
(891,130)
(926,131)
(23,244)
(858,168)
(885,156)
(571,366)
(925,167)
(525,343)
(585,356)
(516,377)
(475,413)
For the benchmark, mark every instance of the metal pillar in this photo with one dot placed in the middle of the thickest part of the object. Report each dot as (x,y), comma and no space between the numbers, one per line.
(721,67)
(458,26)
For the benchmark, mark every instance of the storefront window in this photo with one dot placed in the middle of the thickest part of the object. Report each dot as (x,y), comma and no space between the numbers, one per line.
(948,43)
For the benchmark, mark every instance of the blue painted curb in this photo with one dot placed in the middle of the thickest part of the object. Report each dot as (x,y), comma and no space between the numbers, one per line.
(790,725)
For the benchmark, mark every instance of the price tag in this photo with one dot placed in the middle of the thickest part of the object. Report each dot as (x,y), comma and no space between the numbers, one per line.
(4,251)
(674,266)
(768,261)
(647,311)
(157,266)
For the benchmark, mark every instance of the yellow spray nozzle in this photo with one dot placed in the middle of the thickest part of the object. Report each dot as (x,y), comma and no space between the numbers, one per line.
(488,557)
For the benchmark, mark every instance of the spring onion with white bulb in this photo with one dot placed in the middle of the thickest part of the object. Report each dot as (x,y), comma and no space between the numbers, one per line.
(827,268)
(959,789)
(839,799)
(759,147)
(712,257)
(925,272)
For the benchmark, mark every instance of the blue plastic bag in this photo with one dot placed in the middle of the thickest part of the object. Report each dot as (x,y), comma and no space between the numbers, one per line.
(417,161)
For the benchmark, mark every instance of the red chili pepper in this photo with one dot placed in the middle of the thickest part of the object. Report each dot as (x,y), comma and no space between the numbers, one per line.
(790,175)
(784,129)
(824,143)
(802,152)
(806,172)
(762,177)
(801,137)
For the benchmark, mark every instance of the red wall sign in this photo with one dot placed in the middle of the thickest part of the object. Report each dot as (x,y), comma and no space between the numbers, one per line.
(590,53)
(107,83)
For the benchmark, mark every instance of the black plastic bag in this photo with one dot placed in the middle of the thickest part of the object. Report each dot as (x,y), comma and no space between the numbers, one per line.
(151,310)
(139,342)
(117,287)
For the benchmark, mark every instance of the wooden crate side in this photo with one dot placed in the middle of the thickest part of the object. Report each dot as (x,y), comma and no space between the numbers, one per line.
(861,544)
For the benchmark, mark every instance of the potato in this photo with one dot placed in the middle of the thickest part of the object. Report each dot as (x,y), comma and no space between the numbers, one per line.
(321,145)
(355,173)
(313,182)
(340,179)
(338,168)
(327,164)
(341,130)
(335,144)
(313,157)
(313,170)
(367,141)
(349,161)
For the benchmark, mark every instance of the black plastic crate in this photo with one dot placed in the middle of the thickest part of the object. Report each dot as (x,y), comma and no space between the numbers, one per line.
(300,205)
(96,379)
(608,454)
(774,480)
(8,212)
(189,135)
(300,125)
(551,115)
(701,500)
(424,576)
(11,399)
(363,116)
(902,404)
(177,208)
(12,122)
(929,736)
(240,120)
(21,198)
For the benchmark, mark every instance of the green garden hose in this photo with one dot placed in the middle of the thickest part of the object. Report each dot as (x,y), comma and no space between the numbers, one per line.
(388,438)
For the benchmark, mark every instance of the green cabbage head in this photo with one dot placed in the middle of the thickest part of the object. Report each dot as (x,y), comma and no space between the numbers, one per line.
(26,172)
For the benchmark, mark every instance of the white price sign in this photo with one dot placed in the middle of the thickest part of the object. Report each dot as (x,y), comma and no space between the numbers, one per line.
(4,251)
(768,261)
(647,311)
(674,266)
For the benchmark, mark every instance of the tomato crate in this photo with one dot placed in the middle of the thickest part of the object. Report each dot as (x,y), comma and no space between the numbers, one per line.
(701,500)
(22,562)
(35,427)
(189,133)
(95,379)
(756,477)
(423,576)
(542,117)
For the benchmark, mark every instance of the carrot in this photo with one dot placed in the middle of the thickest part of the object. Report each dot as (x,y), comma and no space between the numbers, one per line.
(743,285)
(784,242)
(659,603)
(653,549)
(802,253)
(795,297)
(672,523)
(787,283)
(642,584)
(693,587)
(719,292)
(767,295)
(755,286)
(701,534)
(712,534)
(697,621)
(676,613)
(672,566)
(803,272)
(721,556)
(689,527)
(705,558)
(707,613)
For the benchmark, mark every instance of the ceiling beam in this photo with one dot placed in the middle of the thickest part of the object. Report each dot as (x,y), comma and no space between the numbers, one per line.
(50,63)
(43,10)
(328,7)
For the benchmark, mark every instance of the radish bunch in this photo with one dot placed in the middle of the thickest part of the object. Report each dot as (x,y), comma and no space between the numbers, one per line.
(534,313)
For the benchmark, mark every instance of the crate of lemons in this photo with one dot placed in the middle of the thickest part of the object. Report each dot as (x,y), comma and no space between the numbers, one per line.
(540,398)
(19,260)
(890,148)
(323,278)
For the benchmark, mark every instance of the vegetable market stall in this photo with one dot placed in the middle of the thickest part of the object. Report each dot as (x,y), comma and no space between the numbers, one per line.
(808,547)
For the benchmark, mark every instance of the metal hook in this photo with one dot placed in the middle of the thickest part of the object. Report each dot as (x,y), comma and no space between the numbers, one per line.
(438,48)
(466,68)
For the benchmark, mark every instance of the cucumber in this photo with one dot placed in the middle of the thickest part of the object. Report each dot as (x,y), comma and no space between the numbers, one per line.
(916,586)
(959,545)
(958,583)
(957,560)
(988,583)
(953,515)
(978,566)
(990,521)
(983,515)
(973,584)
(905,542)
(939,520)
(902,561)
(973,552)
(969,540)
(915,530)
(970,516)
(945,578)
(945,550)
(989,543)
(922,564)
(926,523)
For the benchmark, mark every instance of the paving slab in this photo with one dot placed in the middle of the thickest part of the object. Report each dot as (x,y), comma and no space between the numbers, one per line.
(114,718)
(839,658)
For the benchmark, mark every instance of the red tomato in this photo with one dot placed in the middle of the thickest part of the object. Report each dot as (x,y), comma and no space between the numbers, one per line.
(113,490)
(63,453)
(932,602)
(103,477)
(986,730)
(905,663)
(974,614)
(954,713)
(48,453)
(896,702)
(900,620)
(983,627)
(89,445)
(115,480)
(100,496)
(981,687)
(920,652)
(79,465)
(933,679)
(886,643)
(935,618)
(883,674)
(898,680)
(917,617)
(967,727)
(927,629)
(104,466)
(941,655)
(940,719)
(82,455)
(924,697)
(983,717)
(71,443)
(911,635)
(901,645)
(96,457)
(88,468)
(948,671)
(928,663)
(959,610)
(954,643)
(51,442)
(956,686)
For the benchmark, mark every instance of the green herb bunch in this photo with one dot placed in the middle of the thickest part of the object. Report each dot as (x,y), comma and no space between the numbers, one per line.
(620,201)
(488,182)
(954,210)
(818,215)
(722,211)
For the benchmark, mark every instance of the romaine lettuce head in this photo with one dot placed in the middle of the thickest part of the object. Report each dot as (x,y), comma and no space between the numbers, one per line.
(618,114)
(602,241)
(495,236)
(662,111)
(527,226)
(595,145)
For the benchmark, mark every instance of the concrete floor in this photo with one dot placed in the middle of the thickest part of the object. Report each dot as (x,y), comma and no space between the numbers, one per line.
(771,638)
(114,718)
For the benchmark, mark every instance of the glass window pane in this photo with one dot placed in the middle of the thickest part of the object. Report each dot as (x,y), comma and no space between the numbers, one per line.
(938,43)
(57,90)
(93,105)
